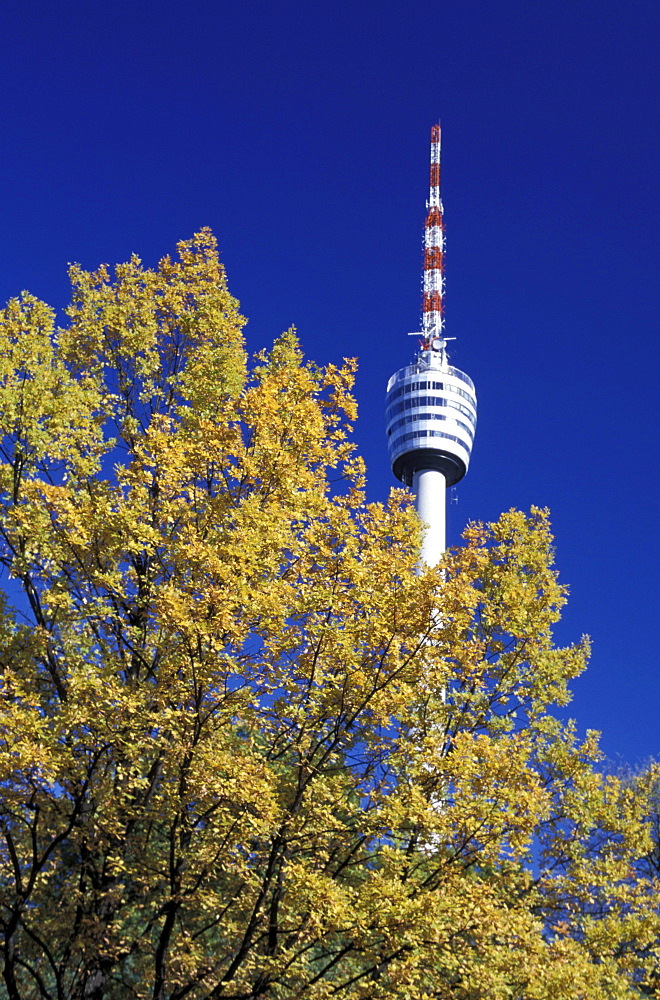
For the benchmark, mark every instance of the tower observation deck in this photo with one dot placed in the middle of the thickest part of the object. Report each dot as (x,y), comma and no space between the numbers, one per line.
(431,408)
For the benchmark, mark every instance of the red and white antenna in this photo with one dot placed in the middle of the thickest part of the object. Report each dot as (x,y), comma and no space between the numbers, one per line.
(434,247)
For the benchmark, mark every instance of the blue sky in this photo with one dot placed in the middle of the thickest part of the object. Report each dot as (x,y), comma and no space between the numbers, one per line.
(299,132)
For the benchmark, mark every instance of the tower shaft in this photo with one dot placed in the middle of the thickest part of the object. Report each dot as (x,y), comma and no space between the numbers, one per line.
(430,489)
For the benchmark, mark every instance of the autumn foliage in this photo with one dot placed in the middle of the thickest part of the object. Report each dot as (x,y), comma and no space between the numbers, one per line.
(246,750)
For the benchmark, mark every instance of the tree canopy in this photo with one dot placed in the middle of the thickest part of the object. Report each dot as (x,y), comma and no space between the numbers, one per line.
(246,748)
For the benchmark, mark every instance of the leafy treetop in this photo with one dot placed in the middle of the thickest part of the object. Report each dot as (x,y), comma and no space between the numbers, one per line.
(246,748)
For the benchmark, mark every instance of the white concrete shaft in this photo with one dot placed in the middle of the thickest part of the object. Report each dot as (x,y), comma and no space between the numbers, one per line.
(430,489)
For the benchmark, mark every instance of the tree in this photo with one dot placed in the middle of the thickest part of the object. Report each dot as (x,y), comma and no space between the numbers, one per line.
(246,750)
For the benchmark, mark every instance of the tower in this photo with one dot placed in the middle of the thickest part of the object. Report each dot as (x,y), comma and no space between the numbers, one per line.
(431,408)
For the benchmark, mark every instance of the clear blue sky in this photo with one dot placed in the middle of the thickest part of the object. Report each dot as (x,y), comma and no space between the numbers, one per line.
(299,132)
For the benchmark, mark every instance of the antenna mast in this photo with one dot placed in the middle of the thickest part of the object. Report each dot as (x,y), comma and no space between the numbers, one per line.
(434,246)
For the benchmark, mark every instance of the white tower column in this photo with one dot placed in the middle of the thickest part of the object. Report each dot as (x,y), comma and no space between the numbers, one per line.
(430,489)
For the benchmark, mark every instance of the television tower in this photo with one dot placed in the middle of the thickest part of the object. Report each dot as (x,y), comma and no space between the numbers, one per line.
(431,408)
